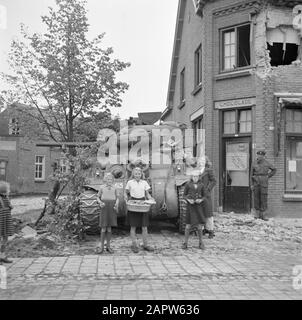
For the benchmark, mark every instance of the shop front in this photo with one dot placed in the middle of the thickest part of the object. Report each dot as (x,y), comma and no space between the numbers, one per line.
(235,153)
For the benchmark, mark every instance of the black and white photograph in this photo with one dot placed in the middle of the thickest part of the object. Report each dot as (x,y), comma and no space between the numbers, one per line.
(151,152)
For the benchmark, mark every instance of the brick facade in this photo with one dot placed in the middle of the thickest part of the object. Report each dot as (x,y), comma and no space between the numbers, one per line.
(259,81)
(19,155)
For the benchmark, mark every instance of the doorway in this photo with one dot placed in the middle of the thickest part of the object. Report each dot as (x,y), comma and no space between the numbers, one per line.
(236,175)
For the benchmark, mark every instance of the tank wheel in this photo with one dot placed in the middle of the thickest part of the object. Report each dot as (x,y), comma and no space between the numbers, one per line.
(182,209)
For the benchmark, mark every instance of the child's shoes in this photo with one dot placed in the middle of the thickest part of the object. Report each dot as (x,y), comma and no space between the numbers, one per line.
(110,250)
(99,250)
(201,246)
(134,249)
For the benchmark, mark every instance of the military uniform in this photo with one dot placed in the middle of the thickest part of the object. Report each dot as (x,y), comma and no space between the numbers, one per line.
(261,171)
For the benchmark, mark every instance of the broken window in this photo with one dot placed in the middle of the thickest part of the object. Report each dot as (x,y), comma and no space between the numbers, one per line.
(283,45)
(236,47)
(282,55)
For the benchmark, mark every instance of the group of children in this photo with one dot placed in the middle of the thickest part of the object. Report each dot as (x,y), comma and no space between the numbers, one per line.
(136,189)
(197,194)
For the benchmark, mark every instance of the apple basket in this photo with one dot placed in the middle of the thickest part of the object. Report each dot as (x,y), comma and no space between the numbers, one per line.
(139,205)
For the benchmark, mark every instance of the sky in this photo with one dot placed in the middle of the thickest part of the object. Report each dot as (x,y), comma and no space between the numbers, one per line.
(139,31)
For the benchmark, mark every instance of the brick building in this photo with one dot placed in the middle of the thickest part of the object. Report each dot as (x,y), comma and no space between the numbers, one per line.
(23,164)
(236,72)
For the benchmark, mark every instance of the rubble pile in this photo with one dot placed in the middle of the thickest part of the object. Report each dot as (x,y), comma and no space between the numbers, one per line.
(235,233)
(246,227)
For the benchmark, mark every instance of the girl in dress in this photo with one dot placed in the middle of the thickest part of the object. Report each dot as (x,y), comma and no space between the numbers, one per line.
(194,195)
(209,181)
(6,226)
(108,200)
(138,189)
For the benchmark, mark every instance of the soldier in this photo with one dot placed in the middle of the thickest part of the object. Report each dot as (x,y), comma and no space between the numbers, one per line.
(261,171)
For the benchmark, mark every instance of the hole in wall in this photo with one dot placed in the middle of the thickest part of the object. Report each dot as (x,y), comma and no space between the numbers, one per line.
(279,56)
(283,45)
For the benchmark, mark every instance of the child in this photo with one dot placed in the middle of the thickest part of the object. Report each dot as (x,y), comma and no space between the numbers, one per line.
(194,195)
(108,200)
(6,227)
(138,189)
(209,181)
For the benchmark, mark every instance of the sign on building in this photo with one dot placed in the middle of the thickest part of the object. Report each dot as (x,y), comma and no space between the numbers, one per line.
(236,103)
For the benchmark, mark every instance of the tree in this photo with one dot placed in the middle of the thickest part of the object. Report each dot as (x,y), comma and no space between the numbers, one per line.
(65,77)
(87,128)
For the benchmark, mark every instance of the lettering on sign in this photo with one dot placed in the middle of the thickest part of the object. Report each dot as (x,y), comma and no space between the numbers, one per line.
(245,102)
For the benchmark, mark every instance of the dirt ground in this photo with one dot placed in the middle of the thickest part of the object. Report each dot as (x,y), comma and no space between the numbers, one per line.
(234,233)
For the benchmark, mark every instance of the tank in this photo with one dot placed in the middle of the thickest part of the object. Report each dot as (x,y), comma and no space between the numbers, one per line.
(166,181)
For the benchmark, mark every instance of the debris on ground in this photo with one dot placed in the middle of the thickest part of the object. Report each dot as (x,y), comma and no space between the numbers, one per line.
(17,224)
(276,229)
(234,233)
(28,232)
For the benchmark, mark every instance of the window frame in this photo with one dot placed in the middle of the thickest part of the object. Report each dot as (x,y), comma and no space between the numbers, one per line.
(287,136)
(292,133)
(182,91)
(222,48)
(198,67)
(237,111)
(4,168)
(42,178)
(197,123)
(64,165)
(251,121)
(13,127)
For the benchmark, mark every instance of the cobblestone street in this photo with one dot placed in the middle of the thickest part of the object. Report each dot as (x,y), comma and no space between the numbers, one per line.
(165,274)
(247,259)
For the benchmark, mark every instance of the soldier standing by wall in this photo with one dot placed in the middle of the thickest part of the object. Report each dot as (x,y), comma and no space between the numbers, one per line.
(261,171)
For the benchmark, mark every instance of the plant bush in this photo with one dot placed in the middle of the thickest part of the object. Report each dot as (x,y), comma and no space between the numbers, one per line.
(67,220)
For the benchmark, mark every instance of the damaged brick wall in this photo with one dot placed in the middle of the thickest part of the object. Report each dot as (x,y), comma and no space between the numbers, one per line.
(269,80)
(274,25)
(286,79)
